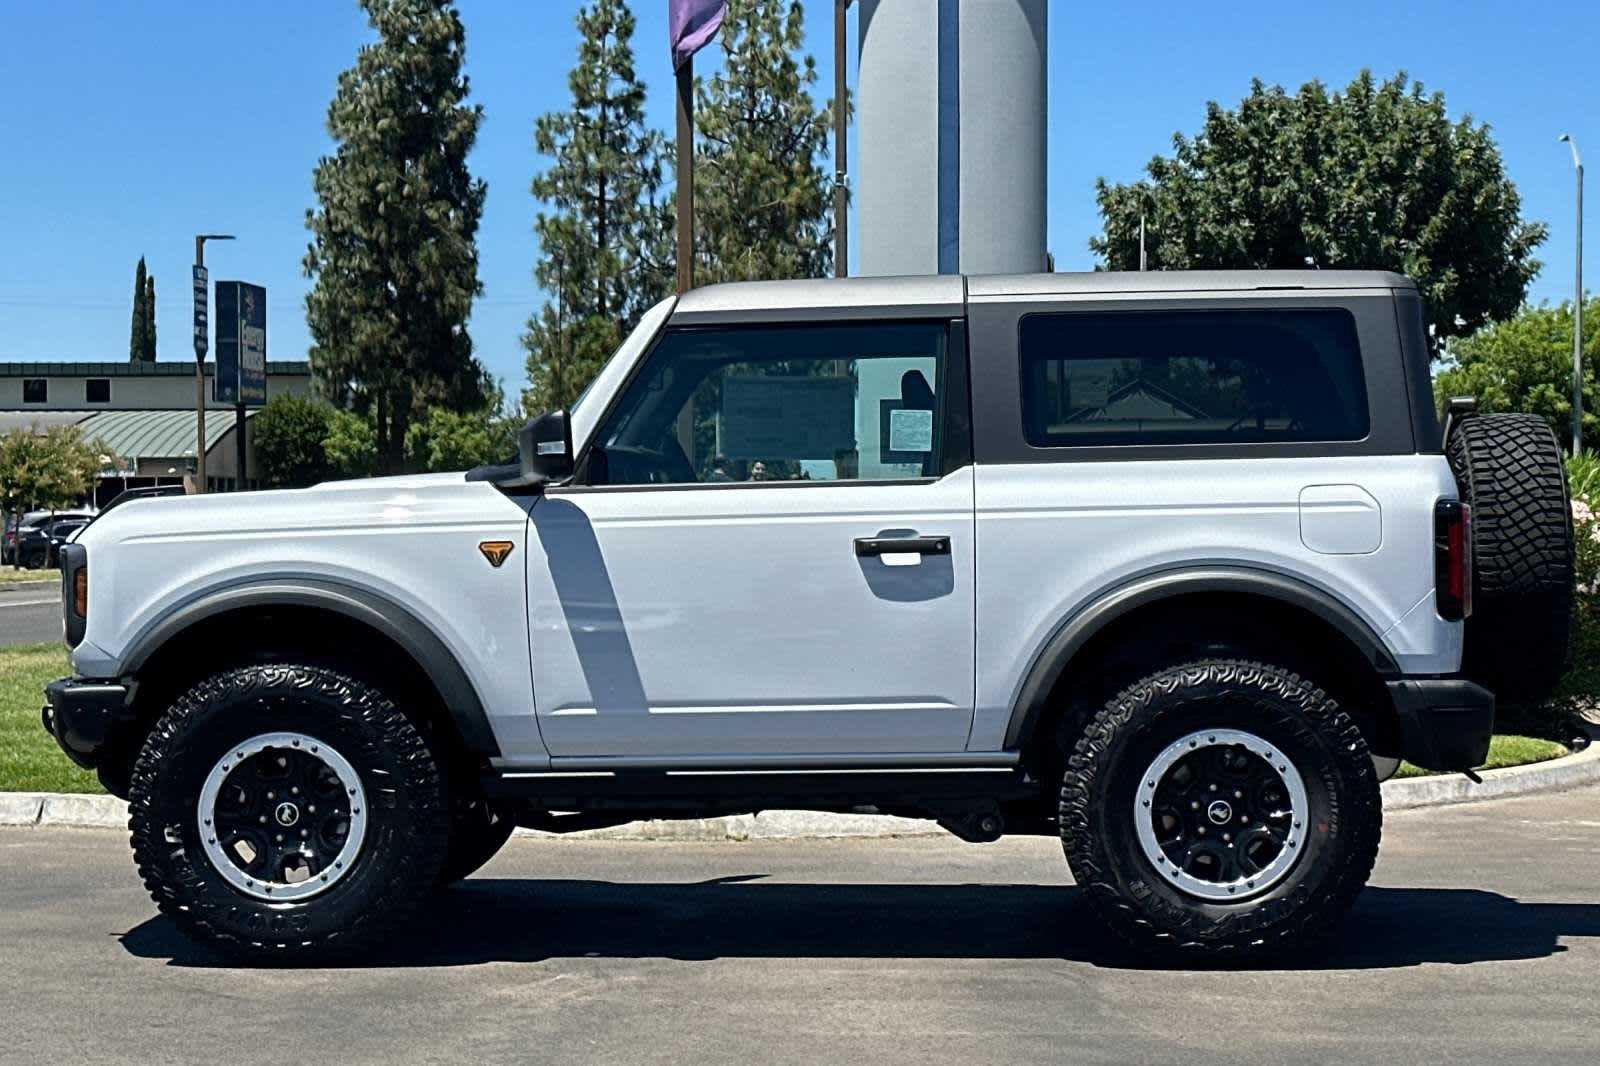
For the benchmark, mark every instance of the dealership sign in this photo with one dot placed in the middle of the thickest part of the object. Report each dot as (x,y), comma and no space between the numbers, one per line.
(202,342)
(241,343)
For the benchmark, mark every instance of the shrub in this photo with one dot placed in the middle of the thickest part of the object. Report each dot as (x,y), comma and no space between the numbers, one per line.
(1580,688)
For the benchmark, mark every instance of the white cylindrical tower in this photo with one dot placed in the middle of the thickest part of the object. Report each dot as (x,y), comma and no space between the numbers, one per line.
(950,121)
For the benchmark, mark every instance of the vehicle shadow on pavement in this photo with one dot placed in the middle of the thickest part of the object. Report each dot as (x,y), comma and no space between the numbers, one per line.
(494,920)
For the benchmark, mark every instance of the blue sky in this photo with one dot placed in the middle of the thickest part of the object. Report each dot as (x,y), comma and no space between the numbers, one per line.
(128,127)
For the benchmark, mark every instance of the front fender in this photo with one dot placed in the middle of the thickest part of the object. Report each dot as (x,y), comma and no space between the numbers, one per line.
(361,605)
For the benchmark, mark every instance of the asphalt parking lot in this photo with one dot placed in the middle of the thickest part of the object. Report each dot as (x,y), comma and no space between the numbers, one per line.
(29,614)
(1479,941)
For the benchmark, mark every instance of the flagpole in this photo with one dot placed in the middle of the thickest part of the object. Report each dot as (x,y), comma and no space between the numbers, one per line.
(686,175)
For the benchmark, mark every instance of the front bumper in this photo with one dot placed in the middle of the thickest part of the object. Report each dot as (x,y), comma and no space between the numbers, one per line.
(82,715)
(1445,722)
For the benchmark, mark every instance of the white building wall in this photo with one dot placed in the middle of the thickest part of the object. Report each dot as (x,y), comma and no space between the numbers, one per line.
(164,393)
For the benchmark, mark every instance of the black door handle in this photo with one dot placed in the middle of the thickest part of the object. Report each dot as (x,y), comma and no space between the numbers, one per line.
(867,546)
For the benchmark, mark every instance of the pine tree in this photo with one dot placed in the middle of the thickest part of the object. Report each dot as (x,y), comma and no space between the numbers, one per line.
(761,197)
(149,353)
(393,251)
(136,329)
(598,242)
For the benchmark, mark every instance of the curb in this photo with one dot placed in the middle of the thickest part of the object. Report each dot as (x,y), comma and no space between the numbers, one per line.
(1557,775)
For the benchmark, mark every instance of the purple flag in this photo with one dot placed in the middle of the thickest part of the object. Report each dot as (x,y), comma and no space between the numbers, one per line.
(691,24)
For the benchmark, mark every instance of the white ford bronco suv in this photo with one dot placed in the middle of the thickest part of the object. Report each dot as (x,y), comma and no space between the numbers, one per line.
(1174,566)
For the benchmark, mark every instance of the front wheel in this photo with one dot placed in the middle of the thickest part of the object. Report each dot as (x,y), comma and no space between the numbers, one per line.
(287,813)
(1224,808)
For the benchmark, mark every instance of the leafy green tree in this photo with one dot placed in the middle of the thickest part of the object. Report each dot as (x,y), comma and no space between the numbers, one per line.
(761,196)
(1525,364)
(602,189)
(52,469)
(138,329)
(393,251)
(1374,177)
(456,440)
(351,445)
(289,436)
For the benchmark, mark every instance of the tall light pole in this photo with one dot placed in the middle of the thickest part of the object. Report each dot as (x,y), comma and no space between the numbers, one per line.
(202,344)
(1577,309)
(841,170)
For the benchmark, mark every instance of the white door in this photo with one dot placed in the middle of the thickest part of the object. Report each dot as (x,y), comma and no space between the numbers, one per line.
(774,555)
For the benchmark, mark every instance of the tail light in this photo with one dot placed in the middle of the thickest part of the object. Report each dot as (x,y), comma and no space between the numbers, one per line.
(1452,559)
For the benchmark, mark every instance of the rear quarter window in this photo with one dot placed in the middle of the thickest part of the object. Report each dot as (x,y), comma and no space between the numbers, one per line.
(1192,377)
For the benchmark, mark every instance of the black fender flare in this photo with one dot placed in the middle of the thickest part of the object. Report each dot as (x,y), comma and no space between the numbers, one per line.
(361,605)
(1082,625)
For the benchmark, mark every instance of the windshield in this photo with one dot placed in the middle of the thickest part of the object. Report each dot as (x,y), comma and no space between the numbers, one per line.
(586,409)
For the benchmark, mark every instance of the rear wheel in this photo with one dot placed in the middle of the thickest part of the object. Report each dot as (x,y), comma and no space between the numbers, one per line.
(287,813)
(1221,807)
(1509,468)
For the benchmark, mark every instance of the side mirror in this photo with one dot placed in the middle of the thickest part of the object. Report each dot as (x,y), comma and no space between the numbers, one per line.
(546,447)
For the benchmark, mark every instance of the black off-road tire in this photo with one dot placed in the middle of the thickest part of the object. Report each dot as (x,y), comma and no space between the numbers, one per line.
(479,828)
(1509,468)
(406,834)
(1102,784)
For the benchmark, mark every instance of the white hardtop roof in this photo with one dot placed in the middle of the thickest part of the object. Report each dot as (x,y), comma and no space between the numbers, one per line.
(944,294)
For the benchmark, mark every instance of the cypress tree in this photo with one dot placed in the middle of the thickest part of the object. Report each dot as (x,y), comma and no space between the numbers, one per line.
(136,329)
(761,195)
(598,238)
(150,319)
(393,251)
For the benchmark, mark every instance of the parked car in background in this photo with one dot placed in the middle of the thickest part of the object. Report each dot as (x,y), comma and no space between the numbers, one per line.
(58,533)
(28,537)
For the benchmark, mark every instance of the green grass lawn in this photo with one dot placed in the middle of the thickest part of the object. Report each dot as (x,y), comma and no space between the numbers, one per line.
(30,761)
(10,575)
(1507,750)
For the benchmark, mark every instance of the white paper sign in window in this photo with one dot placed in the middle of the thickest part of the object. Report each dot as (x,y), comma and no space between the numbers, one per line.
(787,418)
(910,430)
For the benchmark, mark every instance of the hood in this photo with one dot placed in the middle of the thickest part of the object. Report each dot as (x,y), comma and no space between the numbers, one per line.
(365,503)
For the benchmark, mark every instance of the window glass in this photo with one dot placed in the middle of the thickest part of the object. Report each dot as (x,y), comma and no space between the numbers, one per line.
(1192,377)
(35,390)
(97,390)
(812,403)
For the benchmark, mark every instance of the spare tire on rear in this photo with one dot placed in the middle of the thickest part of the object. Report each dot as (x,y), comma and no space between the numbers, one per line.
(1509,468)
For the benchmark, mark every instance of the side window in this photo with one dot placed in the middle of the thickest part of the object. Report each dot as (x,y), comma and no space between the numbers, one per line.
(97,390)
(1192,377)
(791,403)
(35,390)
